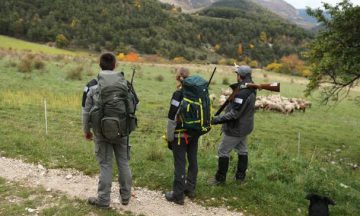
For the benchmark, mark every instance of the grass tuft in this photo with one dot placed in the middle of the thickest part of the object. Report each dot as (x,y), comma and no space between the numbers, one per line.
(75,73)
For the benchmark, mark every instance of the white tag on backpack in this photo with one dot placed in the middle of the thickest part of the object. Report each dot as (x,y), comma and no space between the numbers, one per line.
(175,102)
(86,89)
(238,100)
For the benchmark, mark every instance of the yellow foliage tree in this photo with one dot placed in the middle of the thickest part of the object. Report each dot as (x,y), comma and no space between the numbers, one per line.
(121,56)
(292,64)
(263,37)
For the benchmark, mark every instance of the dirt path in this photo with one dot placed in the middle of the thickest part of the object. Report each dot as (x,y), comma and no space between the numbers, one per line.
(76,184)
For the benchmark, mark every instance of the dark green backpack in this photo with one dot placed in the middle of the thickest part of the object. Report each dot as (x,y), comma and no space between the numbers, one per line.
(113,113)
(195,106)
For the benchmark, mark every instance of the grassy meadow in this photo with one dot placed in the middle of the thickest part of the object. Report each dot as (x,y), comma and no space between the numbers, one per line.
(281,172)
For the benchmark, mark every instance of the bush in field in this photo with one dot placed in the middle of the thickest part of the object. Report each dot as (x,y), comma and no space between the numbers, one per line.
(222,61)
(276,67)
(292,65)
(75,73)
(61,41)
(25,64)
(159,78)
(179,60)
(254,64)
(38,64)
(225,81)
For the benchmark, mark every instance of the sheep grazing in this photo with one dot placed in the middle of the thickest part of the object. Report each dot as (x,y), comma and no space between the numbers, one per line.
(281,104)
(319,205)
(226,92)
(275,103)
(222,99)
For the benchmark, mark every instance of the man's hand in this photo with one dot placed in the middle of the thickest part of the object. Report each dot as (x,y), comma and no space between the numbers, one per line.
(88,136)
(214,121)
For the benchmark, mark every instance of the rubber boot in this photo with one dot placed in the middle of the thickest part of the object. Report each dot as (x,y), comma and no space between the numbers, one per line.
(220,176)
(241,168)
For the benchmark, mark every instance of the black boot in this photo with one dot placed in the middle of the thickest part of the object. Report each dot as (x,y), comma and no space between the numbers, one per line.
(241,168)
(220,176)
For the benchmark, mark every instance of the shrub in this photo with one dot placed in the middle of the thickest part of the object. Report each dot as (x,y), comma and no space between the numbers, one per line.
(159,78)
(222,61)
(38,64)
(25,65)
(276,67)
(179,60)
(225,81)
(61,41)
(254,64)
(75,73)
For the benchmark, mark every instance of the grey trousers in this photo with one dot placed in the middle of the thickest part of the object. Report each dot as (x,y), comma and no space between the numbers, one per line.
(229,143)
(104,154)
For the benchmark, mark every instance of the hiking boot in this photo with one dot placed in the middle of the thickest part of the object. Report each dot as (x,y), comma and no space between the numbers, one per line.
(240,177)
(170,197)
(190,194)
(220,176)
(241,168)
(95,202)
(125,201)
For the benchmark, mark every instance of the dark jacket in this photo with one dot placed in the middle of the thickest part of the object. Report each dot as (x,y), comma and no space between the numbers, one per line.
(238,120)
(173,124)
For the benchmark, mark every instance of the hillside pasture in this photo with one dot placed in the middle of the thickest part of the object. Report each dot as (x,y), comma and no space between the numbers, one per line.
(316,151)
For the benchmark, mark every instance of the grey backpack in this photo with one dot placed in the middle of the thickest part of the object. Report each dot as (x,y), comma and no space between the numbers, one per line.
(113,113)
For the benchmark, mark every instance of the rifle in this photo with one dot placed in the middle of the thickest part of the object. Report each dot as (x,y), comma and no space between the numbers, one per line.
(211,77)
(236,88)
(132,78)
(136,98)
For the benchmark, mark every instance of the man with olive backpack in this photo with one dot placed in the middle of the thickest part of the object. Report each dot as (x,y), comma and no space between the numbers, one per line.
(109,105)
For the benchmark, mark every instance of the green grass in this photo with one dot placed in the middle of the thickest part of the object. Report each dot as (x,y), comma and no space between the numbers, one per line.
(17,199)
(278,178)
(9,42)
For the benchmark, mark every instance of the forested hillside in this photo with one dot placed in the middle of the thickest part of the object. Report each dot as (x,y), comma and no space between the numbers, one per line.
(234,29)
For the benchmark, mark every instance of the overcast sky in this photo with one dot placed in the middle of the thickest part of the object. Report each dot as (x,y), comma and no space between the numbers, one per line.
(299,4)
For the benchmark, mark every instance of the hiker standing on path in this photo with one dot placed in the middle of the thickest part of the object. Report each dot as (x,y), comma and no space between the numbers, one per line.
(109,105)
(182,144)
(238,123)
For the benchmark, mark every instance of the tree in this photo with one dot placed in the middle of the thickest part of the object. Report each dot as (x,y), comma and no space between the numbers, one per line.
(334,54)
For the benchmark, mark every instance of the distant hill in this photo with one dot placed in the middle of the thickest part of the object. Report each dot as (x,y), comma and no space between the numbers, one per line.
(279,7)
(237,29)
(286,11)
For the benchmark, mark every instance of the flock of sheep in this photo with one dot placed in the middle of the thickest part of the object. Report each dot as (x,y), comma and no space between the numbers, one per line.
(275,103)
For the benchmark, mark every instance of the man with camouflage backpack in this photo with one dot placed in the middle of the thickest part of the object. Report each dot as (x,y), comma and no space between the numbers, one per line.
(109,105)
(188,118)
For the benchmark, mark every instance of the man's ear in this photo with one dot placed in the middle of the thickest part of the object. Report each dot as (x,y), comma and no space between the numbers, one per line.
(330,201)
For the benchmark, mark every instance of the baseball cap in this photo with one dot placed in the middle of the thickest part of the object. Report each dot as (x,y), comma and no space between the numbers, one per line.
(242,70)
